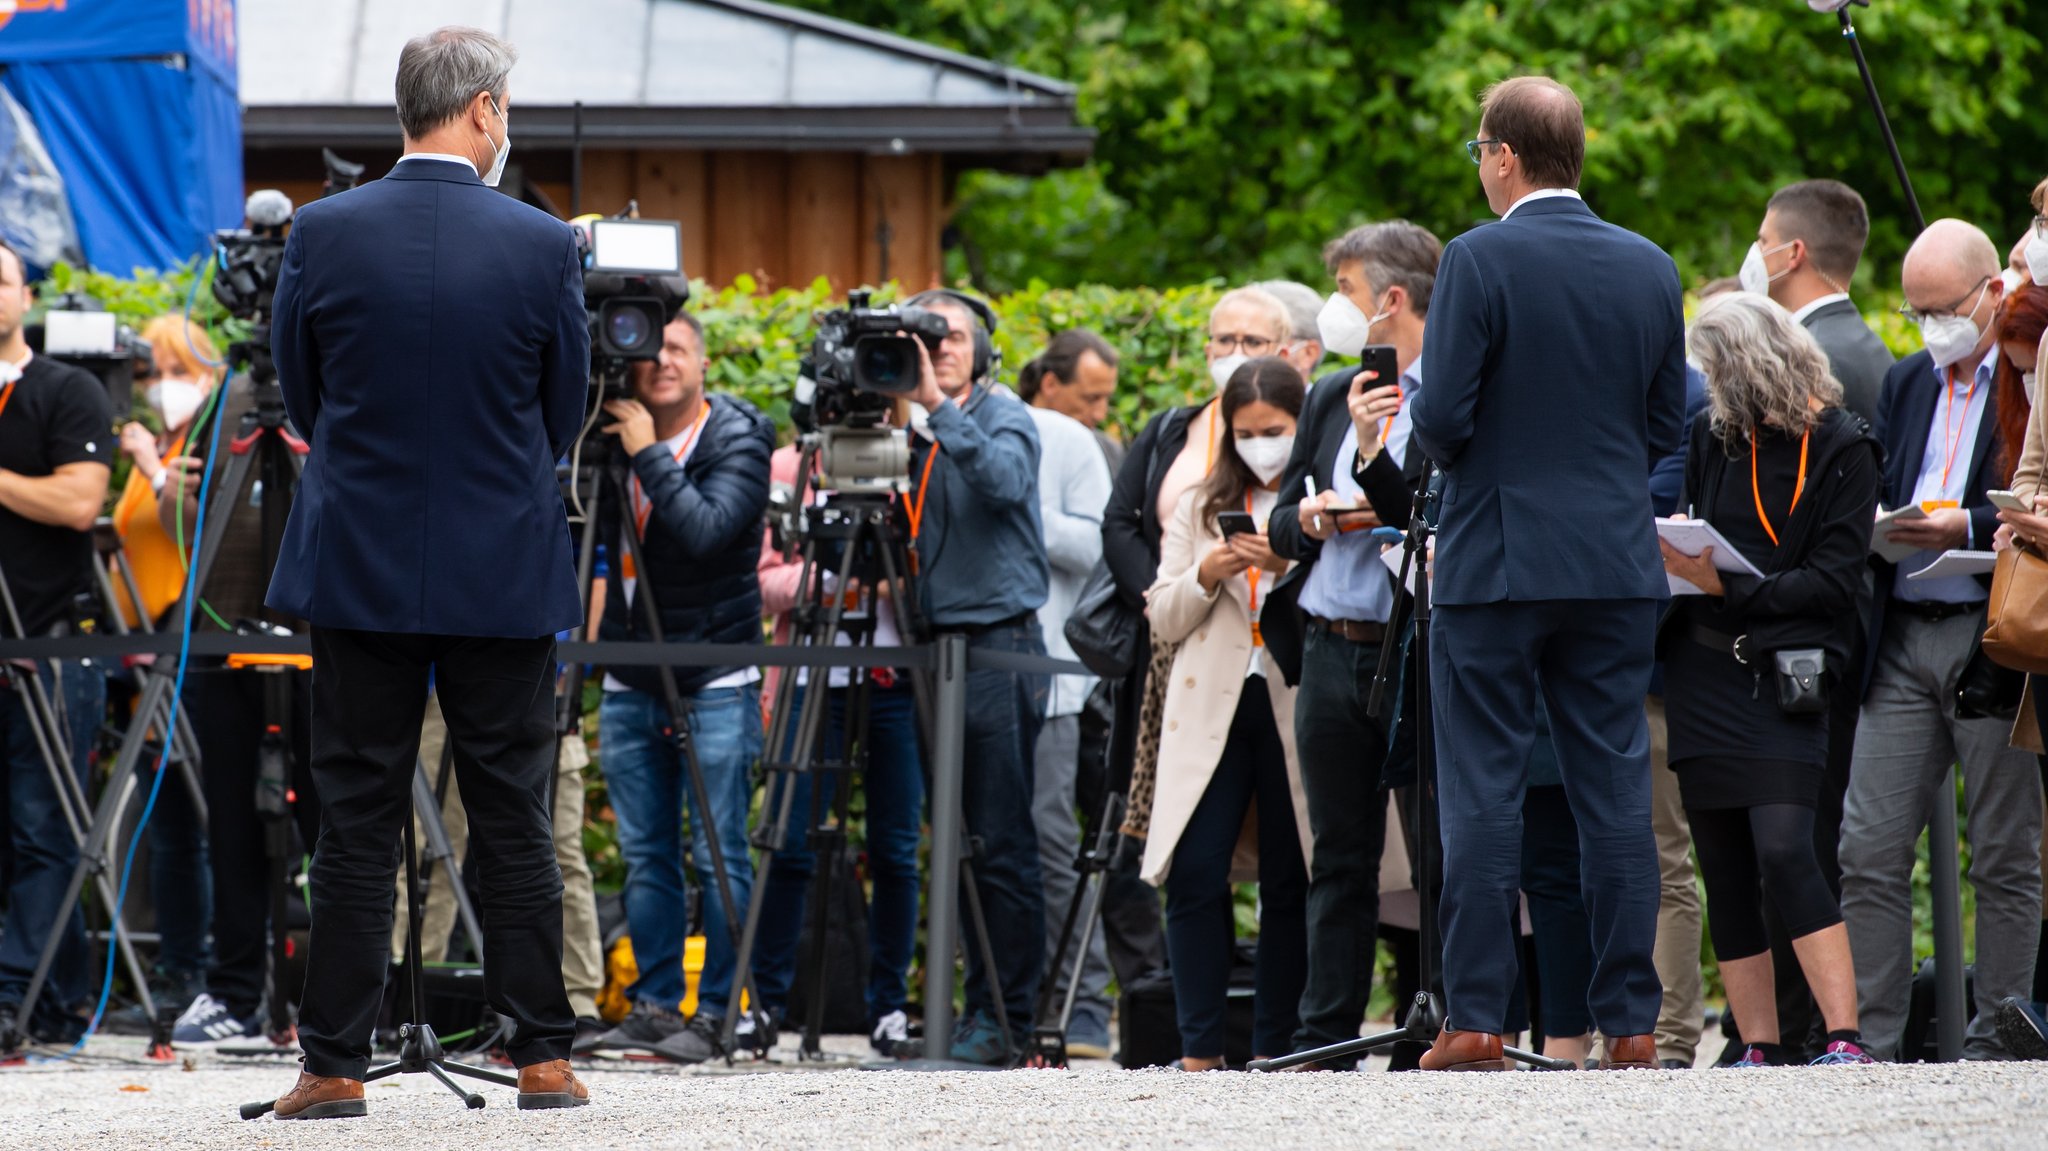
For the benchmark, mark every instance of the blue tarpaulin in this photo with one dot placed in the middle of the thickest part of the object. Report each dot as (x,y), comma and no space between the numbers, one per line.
(135,101)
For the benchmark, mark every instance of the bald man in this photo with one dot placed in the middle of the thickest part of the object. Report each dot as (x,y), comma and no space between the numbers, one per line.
(1941,452)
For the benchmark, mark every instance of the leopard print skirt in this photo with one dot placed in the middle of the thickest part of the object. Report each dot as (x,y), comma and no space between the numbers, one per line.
(1151,718)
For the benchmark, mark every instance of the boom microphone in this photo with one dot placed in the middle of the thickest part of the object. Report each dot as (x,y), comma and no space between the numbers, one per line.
(268,208)
(1830,7)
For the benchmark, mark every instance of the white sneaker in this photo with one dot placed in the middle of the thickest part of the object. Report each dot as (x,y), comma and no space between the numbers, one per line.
(208,1021)
(891,1031)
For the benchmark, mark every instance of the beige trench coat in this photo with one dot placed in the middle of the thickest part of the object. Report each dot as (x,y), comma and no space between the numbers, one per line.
(1215,635)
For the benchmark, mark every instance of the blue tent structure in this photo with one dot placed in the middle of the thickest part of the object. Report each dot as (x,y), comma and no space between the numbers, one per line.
(135,101)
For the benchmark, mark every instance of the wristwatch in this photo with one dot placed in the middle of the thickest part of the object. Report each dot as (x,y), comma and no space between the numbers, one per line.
(156,482)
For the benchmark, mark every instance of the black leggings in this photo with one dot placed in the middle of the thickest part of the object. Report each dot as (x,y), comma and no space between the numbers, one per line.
(1754,853)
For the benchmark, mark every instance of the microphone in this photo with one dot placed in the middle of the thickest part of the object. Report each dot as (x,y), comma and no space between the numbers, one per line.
(268,208)
(1830,7)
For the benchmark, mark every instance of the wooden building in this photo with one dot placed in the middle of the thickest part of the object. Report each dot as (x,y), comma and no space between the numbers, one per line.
(790,145)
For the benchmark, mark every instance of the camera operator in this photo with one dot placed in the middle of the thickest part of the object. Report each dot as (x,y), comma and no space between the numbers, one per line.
(699,491)
(55,444)
(982,570)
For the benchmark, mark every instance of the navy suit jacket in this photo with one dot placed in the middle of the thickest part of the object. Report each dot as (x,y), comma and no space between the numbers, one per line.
(1554,371)
(432,348)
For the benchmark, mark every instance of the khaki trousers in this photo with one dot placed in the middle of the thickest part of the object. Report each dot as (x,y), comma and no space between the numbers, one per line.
(1683,1014)
(582,950)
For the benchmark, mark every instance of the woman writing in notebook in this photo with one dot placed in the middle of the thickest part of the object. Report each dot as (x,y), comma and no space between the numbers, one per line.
(1790,480)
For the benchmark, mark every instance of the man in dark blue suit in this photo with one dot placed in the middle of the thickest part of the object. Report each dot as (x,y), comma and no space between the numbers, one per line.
(1556,368)
(432,348)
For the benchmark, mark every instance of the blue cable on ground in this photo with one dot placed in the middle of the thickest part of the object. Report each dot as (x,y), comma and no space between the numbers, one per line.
(177,698)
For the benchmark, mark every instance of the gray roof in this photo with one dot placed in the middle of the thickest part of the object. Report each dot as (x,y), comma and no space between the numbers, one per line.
(680,73)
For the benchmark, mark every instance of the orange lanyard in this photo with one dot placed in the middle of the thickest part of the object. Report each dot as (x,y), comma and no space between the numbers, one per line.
(1251,577)
(1797,489)
(642,506)
(915,508)
(1387,425)
(1209,464)
(1954,440)
(6,394)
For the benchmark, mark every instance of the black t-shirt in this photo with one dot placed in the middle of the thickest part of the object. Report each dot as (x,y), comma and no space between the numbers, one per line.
(55,415)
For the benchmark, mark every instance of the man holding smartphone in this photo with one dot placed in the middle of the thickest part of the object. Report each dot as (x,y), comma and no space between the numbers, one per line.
(1348,475)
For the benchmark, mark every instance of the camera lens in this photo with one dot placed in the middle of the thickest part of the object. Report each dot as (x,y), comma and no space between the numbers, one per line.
(627,329)
(885,364)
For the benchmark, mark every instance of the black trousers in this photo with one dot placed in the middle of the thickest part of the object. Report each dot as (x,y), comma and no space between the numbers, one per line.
(227,715)
(369,697)
(1342,750)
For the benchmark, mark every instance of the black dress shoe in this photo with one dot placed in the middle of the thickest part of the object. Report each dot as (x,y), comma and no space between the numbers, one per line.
(2022,1029)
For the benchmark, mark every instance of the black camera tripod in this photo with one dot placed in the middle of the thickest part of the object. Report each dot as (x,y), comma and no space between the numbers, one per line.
(1425,1018)
(608,481)
(866,532)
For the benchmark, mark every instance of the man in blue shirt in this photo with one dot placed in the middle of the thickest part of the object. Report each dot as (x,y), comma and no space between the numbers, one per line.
(1939,426)
(982,569)
(1347,457)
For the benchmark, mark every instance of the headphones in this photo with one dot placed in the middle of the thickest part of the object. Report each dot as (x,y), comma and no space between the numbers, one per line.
(987,360)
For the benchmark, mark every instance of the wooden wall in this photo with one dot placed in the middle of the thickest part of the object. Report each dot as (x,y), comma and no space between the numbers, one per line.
(784,218)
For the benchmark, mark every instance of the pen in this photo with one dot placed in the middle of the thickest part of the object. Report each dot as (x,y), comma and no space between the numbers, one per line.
(1309,482)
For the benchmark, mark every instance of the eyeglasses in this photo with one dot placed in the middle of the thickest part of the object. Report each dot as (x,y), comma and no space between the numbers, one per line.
(1249,345)
(1472,148)
(2041,226)
(1915,315)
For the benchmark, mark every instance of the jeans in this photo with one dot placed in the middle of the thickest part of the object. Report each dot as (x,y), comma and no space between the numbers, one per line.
(1342,752)
(649,786)
(41,851)
(894,787)
(1004,710)
(1200,921)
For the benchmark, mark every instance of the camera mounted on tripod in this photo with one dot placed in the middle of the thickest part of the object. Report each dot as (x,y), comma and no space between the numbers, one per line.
(861,364)
(633,285)
(77,330)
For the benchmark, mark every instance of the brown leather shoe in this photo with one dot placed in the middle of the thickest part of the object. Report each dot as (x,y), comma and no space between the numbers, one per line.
(323,1097)
(1630,1053)
(550,1084)
(1464,1051)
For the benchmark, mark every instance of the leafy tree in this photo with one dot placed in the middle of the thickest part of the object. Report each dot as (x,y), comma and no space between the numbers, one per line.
(1237,135)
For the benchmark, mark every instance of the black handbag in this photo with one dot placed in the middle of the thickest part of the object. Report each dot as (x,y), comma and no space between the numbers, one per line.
(1802,680)
(1103,629)
(1987,691)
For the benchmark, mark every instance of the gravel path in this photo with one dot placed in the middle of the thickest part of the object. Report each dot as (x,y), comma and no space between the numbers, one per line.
(47,1106)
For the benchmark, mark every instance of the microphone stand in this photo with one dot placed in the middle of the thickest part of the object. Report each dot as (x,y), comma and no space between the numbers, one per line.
(1884,124)
(1425,1016)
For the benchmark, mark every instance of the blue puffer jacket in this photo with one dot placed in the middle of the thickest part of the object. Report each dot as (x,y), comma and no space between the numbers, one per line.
(702,544)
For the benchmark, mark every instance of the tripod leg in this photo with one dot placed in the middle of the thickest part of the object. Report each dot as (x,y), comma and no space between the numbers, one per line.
(481,1074)
(474,1101)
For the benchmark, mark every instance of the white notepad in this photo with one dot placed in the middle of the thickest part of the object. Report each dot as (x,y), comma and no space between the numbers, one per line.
(1691,537)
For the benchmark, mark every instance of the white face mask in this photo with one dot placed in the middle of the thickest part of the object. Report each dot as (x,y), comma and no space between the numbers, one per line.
(1950,338)
(1221,370)
(2012,280)
(2036,253)
(176,399)
(497,171)
(1345,329)
(2027,382)
(1754,275)
(1266,456)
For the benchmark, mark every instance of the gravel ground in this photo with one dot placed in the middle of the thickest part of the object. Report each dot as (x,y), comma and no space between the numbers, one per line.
(108,1104)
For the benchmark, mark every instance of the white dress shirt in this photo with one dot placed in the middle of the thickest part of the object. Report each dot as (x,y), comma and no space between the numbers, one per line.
(1945,468)
(462,160)
(1799,317)
(1541,194)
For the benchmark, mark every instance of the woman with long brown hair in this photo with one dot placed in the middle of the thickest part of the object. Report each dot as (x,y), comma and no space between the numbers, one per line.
(1227,768)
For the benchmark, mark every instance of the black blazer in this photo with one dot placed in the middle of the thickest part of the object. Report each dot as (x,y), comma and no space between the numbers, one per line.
(1858,359)
(432,348)
(1317,439)
(1911,390)
(1814,591)
(1131,531)
(1553,378)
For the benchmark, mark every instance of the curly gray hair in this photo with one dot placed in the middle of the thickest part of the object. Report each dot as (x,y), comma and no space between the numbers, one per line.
(1761,367)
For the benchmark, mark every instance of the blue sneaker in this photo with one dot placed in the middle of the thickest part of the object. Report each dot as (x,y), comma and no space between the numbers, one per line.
(209,1022)
(1842,1053)
(976,1039)
(1087,1039)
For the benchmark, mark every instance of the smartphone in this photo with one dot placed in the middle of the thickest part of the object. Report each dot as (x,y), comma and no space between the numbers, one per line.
(2007,501)
(1380,358)
(1232,523)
